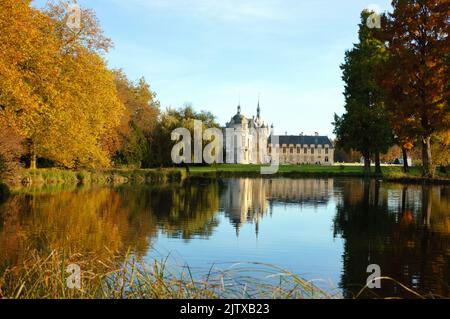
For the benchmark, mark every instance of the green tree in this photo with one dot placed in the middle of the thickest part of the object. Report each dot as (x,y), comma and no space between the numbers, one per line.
(170,120)
(365,125)
(138,123)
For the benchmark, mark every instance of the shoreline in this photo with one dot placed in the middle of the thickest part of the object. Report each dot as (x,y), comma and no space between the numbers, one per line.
(384,178)
(115,177)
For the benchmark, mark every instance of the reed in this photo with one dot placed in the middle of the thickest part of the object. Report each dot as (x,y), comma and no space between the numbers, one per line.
(127,277)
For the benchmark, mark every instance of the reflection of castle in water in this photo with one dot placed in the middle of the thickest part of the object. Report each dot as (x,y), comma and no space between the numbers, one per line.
(249,200)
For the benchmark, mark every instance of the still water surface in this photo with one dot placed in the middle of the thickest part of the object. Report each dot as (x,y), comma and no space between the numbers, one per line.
(322,229)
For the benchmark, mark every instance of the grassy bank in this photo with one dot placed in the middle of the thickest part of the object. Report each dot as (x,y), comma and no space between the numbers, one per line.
(57,177)
(125,277)
(390,173)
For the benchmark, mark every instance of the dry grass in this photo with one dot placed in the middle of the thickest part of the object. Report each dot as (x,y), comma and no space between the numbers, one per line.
(128,278)
(45,278)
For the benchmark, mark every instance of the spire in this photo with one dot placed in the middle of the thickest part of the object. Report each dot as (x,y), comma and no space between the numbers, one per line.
(258,110)
(239,105)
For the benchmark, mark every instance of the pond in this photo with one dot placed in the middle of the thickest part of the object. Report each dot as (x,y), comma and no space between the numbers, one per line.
(326,230)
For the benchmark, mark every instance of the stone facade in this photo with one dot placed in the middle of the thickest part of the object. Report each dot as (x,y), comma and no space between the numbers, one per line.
(248,137)
(301,149)
(249,141)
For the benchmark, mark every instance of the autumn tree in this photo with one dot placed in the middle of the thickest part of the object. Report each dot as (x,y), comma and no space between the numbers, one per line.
(91,113)
(88,34)
(138,122)
(365,126)
(55,87)
(416,34)
(29,65)
(92,109)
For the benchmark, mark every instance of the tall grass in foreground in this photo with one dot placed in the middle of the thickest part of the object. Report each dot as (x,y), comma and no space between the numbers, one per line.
(128,278)
(46,278)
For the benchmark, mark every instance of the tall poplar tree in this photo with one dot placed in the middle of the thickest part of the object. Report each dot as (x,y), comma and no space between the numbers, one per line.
(365,125)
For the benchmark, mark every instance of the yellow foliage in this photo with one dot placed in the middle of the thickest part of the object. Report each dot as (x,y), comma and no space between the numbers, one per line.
(63,101)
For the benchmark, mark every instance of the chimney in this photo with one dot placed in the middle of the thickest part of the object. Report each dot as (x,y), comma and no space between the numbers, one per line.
(317,133)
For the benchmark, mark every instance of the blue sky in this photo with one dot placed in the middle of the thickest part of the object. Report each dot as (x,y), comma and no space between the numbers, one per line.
(213,53)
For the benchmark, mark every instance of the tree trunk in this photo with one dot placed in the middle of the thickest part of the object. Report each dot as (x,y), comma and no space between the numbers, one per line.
(405,160)
(378,171)
(367,163)
(428,170)
(33,156)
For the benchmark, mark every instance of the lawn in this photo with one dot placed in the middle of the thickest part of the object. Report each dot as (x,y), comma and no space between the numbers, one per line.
(389,172)
(239,168)
(57,177)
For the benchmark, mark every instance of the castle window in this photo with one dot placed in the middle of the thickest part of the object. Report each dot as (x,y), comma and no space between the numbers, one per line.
(284,150)
(326,151)
(298,150)
(306,150)
(270,150)
(326,159)
(292,150)
(312,151)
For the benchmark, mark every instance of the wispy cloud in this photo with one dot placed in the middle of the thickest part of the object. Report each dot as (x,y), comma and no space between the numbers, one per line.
(226,10)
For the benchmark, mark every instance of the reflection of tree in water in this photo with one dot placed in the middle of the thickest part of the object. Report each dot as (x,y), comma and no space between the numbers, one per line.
(186,211)
(10,231)
(83,221)
(102,220)
(405,230)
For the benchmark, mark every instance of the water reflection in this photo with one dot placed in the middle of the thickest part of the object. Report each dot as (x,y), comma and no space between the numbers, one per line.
(405,230)
(102,220)
(299,223)
(249,200)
